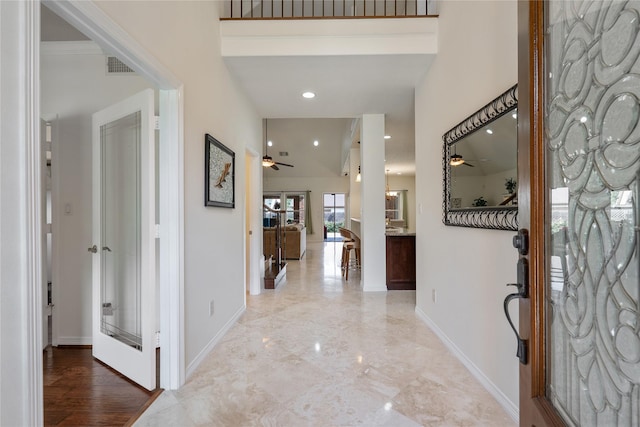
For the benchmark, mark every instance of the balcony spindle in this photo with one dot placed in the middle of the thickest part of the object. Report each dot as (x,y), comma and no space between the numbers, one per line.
(300,10)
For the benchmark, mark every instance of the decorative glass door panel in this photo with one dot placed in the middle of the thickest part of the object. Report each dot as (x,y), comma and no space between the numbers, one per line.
(592,140)
(120,235)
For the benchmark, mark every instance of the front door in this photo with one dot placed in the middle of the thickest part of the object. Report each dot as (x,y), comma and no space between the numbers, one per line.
(579,171)
(123,238)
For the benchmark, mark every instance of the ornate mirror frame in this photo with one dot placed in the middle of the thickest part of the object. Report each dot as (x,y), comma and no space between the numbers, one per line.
(498,217)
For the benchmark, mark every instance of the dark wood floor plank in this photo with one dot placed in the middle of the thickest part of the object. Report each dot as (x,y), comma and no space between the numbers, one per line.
(81,391)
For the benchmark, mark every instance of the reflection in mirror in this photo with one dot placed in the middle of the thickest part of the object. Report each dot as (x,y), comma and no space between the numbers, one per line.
(483,166)
(480,167)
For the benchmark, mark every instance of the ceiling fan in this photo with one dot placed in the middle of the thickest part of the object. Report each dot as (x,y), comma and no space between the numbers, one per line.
(267,161)
(457,160)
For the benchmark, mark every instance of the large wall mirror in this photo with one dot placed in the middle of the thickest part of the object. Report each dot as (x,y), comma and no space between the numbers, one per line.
(480,167)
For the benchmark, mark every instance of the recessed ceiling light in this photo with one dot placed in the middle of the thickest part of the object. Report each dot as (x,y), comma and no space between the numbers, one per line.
(387,137)
(399,173)
(489,131)
(270,143)
(583,119)
(309,95)
(315,143)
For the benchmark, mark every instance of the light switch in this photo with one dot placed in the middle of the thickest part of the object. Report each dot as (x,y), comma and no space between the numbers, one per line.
(67,208)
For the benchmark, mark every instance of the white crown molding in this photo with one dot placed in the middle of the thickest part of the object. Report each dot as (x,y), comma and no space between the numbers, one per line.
(86,47)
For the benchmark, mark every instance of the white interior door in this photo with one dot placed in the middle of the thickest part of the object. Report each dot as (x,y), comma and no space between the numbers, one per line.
(124,238)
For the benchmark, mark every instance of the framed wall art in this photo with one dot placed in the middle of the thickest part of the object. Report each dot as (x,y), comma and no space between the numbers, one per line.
(219,174)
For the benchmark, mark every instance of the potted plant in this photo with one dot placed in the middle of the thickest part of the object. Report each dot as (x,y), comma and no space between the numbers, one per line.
(510,184)
(480,201)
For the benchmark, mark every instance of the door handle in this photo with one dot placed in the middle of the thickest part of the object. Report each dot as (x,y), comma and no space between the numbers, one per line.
(521,353)
(106,248)
(522,292)
(93,249)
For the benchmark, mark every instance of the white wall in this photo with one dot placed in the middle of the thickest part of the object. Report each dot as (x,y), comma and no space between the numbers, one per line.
(354,187)
(317,186)
(468,268)
(74,85)
(215,238)
(491,187)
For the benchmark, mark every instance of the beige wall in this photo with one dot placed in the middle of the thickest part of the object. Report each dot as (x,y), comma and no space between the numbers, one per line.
(214,237)
(467,268)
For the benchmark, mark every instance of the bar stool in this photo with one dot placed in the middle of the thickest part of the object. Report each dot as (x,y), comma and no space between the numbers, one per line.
(351,242)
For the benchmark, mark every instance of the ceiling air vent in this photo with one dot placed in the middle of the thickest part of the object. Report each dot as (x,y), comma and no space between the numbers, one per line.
(284,153)
(115,66)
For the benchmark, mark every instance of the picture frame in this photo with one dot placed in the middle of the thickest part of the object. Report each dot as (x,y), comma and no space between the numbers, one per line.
(219,174)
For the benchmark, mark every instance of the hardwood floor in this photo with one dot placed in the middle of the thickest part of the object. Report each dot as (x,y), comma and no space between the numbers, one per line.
(81,391)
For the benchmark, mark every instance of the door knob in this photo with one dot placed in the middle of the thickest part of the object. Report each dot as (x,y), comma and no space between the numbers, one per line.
(93,249)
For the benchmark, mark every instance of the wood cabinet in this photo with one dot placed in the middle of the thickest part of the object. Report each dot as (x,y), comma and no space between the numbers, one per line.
(401,261)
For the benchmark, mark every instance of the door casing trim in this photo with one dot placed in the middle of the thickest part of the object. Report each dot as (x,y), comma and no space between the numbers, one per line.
(94,23)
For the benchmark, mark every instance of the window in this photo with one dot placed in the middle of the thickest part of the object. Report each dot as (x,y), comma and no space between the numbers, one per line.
(393,205)
(294,205)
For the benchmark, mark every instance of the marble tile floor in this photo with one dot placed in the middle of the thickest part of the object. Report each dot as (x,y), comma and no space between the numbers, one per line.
(317,351)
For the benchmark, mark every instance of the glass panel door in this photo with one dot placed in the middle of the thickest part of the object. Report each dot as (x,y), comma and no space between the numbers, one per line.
(334,214)
(592,138)
(123,248)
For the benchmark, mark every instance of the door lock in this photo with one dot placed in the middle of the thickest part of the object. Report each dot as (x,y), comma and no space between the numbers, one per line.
(521,242)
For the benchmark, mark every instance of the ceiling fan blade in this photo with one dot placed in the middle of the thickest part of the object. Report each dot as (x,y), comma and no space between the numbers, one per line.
(274,167)
(468,164)
(284,164)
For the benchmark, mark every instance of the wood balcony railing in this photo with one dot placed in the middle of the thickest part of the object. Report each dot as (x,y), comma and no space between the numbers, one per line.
(327,9)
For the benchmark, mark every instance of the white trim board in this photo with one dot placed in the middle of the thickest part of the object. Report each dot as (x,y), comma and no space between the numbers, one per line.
(20,217)
(214,341)
(503,400)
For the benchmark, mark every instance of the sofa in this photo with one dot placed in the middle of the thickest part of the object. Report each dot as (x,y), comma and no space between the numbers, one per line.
(294,241)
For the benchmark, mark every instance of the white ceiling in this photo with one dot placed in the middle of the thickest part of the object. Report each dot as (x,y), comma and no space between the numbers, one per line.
(345,87)
(55,29)
(489,153)
(296,138)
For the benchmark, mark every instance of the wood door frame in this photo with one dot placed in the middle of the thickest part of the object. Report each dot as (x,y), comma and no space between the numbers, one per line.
(535,408)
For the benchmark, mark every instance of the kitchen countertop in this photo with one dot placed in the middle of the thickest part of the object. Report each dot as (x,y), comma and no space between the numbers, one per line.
(395,231)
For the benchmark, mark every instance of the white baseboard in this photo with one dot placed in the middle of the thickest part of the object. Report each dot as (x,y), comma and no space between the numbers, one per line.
(74,341)
(214,341)
(503,400)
